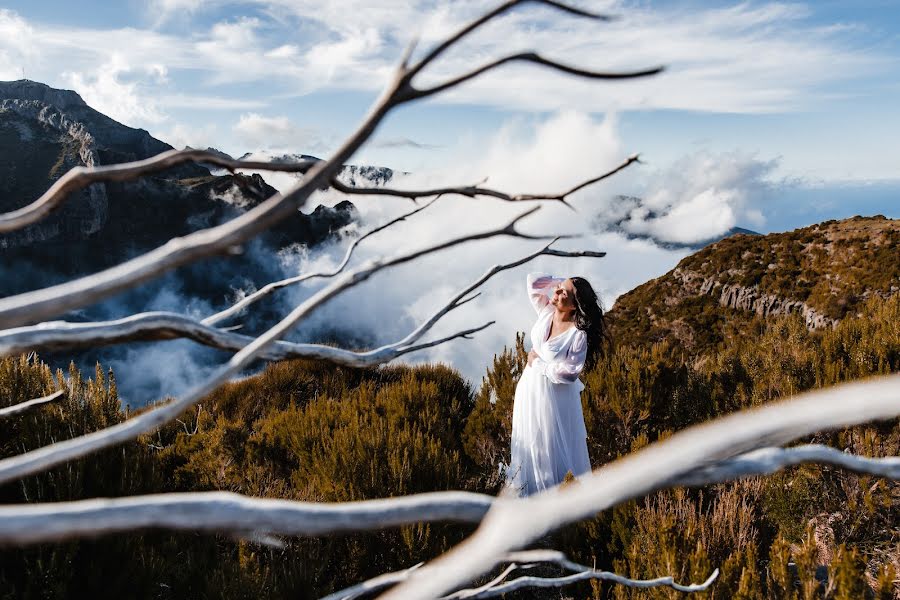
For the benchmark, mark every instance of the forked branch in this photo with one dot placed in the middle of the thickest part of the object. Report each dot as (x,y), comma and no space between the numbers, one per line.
(473,191)
(79,178)
(277,285)
(524,560)
(48,456)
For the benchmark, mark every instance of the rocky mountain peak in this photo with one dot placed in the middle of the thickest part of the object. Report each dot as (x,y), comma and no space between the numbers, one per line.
(25,89)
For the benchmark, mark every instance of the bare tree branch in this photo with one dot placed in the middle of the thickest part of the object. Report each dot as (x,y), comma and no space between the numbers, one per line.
(62,335)
(229,512)
(513,523)
(500,10)
(524,560)
(43,458)
(272,287)
(473,191)
(531,57)
(766,461)
(581,573)
(458,301)
(79,178)
(48,302)
(21,407)
(226,512)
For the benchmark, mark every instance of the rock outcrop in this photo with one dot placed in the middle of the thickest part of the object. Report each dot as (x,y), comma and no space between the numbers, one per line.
(750,299)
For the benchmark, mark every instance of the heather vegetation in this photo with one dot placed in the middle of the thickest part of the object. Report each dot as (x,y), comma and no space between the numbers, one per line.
(311,431)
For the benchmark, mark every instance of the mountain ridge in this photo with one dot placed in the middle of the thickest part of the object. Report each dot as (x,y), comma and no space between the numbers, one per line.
(822,272)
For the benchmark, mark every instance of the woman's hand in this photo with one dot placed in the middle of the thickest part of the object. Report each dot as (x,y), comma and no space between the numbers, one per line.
(531,356)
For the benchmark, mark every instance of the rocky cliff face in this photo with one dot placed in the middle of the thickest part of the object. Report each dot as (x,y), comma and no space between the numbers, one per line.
(750,299)
(44,132)
(820,273)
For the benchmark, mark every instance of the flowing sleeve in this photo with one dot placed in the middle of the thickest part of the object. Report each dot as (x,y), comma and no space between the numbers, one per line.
(540,287)
(568,369)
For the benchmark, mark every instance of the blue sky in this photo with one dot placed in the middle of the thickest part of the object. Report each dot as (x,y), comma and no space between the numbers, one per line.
(802,95)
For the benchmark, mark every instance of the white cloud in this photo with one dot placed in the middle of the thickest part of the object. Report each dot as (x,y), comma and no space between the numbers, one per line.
(746,58)
(107,90)
(17,51)
(180,135)
(257,132)
(699,197)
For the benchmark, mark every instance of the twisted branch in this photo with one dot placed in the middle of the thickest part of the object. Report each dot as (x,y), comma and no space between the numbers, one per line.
(150,326)
(277,285)
(48,456)
(523,560)
(530,57)
(215,512)
(79,178)
(234,513)
(473,191)
(62,335)
(500,10)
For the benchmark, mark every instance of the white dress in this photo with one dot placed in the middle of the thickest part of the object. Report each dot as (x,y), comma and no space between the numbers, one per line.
(548,433)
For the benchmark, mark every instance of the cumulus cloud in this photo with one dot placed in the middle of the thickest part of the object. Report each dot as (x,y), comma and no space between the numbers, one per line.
(17,51)
(257,131)
(699,197)
(109,90)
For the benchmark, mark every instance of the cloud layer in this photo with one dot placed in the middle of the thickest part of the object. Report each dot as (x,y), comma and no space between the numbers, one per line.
(746,58)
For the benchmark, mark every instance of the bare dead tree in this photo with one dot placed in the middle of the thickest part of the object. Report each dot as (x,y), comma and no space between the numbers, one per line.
(736,445)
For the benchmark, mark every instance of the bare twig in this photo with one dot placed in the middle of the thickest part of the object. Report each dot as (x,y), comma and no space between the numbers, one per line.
(81,177)
(513,523)
(500,10)
(525,560)
(769,460)
(272,287)
(459,300)
(473,191)
(21,407)
(531,57)
(581,573)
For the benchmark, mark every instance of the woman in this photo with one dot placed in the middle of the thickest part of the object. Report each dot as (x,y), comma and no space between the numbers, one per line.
(548,434)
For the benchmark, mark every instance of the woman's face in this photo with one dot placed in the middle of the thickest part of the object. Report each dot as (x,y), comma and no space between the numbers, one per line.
(564,296)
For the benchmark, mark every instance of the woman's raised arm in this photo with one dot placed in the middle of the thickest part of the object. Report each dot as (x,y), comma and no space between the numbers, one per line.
(540,286)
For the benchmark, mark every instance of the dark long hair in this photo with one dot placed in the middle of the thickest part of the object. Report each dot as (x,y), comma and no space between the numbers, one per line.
(589,318)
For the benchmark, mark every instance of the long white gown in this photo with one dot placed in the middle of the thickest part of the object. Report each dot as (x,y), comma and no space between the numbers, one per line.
(548,433)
